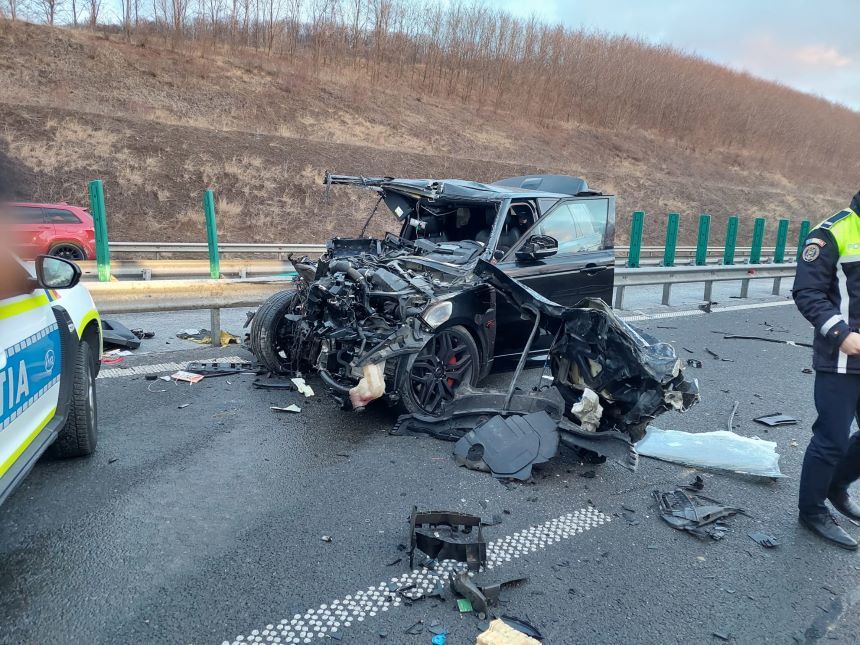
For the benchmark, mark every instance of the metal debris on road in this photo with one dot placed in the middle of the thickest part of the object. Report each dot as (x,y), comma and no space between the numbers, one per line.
(721,450)
(141,334)
(326,538)
(776,419)
(214,368)
(694,362)
(696,514)
(796,343)
(204,337)
(482,597)
(448,536)
(731,422)
(273,384)
(767,541)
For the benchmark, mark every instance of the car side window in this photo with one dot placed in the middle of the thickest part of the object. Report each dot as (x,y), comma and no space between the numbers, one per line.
(60,216)
(578,226)
(28,215)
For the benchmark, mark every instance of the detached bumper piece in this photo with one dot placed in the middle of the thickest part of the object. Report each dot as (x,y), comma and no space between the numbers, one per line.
(444,535)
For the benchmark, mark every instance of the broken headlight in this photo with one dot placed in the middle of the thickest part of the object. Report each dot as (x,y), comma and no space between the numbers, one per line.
(437,313)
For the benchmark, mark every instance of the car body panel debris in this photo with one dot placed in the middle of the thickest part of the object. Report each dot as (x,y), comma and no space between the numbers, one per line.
(213,368)
(765,540)
(509,447)
(693,513)
(721,450)
(777,419)
(500,633)
(115,334)
(447,536)
(482,596)
(522,626)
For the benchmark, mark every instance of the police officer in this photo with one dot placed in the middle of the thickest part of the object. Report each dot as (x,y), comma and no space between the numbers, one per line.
(827,293)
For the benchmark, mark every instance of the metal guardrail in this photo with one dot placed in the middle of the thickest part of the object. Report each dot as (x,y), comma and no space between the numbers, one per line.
(708,274)
(140,296)
(187,269)
(282,250)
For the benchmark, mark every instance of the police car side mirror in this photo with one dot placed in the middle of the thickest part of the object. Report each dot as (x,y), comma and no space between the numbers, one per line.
(56,273)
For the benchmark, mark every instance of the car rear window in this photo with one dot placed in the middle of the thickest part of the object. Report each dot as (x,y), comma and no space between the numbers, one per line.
(60,216)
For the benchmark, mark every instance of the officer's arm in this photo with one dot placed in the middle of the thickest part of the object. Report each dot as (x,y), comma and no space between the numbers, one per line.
(815,278)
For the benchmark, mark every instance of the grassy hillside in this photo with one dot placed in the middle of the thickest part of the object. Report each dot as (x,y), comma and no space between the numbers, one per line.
(160,124)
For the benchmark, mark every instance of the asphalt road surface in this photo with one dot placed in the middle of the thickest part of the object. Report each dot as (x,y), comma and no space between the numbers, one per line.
(203,524)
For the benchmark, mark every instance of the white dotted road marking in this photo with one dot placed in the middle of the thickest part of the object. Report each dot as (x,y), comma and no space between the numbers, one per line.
(334,617)
(139,370)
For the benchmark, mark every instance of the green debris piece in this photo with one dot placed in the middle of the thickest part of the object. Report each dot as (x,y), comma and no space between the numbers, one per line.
(464,605)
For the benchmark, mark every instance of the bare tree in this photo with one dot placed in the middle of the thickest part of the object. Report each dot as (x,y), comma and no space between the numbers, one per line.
(94,9)
(48,9)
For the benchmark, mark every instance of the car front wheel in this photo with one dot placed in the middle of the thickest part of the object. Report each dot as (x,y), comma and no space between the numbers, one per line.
(79,436)
(430,379)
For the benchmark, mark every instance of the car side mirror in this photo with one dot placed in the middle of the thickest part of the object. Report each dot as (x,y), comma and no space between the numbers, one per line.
(537,247)
(56,273)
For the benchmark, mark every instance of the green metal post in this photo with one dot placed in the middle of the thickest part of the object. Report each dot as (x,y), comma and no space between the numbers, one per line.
(758,239)
(211,235)
(781,239)
(97,210)
(636,223)
(671,240)
(702,240)
(801,239)
(731,240)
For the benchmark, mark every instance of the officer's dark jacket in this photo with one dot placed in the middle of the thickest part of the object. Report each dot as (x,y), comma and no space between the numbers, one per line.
(827,288)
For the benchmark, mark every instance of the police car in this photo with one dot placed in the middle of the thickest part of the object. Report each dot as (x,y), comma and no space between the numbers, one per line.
(50,351)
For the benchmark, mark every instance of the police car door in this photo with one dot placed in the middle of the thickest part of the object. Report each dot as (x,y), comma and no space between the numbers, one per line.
(29,380)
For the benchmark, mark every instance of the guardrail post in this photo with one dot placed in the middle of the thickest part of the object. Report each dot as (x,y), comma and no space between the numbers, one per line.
(636,223)
(97,210)
(757,240)
(669,251)
(755,252)
(619,297)
(779,252)
(731,240)
(215,326)
(211,234)
(702,239)
(801,239)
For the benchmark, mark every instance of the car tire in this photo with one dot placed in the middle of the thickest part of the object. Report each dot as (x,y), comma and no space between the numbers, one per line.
(68,251)
(266,330)
(78,437)
(418,391)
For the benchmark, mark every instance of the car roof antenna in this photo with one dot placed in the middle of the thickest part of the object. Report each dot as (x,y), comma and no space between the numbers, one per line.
(370,217)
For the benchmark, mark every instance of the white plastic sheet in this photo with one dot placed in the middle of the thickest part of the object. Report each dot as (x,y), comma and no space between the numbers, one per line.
(722,450)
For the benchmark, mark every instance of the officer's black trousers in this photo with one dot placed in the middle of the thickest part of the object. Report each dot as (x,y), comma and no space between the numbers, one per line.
(832,460)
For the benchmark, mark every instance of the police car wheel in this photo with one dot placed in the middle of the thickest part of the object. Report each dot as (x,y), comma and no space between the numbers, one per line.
(80,434)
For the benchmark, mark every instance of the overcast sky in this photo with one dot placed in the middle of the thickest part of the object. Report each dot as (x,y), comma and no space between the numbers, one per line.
(811,45)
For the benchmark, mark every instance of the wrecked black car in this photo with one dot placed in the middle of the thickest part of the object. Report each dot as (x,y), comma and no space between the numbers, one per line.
(406,317)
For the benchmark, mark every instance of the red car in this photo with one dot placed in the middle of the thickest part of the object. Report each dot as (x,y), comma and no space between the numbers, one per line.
(53,229)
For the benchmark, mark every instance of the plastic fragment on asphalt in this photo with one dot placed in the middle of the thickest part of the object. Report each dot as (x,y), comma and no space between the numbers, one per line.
(500,633)
(721,450)
(439,639)
(302,387)
(464,605)
(765,540)
(326,538)
(292,407)
(777,419)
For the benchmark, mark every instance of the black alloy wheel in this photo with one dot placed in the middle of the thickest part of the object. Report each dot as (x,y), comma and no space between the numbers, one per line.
(68,252)
(449,359)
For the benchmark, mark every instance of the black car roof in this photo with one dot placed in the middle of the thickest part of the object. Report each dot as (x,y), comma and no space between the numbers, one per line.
(526,186)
